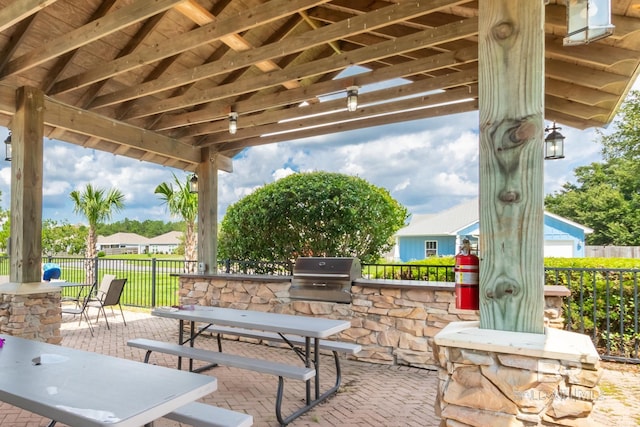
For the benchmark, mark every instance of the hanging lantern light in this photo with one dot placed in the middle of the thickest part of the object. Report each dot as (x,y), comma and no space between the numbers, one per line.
(7,148)
(193,184)
(553,143)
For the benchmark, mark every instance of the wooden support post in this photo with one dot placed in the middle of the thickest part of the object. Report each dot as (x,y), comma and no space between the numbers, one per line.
(27,130)
(208,211)
(511,100)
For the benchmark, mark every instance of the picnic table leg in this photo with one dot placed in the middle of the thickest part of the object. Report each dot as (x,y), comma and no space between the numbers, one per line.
(180,341)
(316,354)
(307,363)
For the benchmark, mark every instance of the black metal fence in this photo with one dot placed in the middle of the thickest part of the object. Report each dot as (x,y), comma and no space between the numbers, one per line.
(604,305)
(603,302)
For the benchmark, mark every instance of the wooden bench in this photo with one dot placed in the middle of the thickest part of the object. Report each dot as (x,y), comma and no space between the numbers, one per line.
(199,414)
(281,370)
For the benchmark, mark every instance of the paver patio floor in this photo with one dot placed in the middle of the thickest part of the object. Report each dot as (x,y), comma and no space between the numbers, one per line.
(370,395)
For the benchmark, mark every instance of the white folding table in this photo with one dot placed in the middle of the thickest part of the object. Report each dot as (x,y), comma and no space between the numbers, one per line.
(85,389)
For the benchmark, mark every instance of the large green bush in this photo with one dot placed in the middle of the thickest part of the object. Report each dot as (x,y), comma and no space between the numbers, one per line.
(311,214)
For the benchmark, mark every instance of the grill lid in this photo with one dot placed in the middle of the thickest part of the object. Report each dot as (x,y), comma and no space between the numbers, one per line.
(324,278)
(327,267)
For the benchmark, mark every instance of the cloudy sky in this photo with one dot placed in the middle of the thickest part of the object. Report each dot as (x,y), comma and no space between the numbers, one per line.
(427,165)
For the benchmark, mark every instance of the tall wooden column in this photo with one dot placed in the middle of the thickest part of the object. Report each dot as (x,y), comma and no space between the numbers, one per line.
(511,99)
(27,130)
(208,211)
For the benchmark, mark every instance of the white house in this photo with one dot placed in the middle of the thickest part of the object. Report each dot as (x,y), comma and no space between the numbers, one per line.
(132,243)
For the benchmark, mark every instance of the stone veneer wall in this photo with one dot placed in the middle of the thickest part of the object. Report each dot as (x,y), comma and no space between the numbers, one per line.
(498,378)
(393,321)
(36,316)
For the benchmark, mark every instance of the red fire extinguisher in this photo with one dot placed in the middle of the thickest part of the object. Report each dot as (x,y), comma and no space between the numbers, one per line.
(467,284)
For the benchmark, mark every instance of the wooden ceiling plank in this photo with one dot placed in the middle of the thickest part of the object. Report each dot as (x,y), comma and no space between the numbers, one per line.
(134,43)
(577,93)
(337,62)
(597,54)
(19,34)
(65,60)
(580,75)
(573,121)
(295,96)
(94,125)
(240,60)
(86,34)
(17,11)
(358,124)
(271,11)
(202,16)
(578,110)
(340,116)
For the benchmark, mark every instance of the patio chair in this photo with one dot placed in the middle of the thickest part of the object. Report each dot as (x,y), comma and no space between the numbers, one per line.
(109,298)
(81,308)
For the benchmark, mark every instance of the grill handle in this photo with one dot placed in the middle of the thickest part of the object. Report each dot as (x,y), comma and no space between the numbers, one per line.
(336,276)
(320,285)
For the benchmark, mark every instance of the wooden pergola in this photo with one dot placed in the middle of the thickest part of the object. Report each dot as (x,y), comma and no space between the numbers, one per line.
(157,80)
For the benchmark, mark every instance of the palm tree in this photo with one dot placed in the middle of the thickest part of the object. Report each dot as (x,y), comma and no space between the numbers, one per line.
(97,207)
(182,203)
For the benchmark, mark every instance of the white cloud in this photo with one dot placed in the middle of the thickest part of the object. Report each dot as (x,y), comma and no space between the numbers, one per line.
(427,165)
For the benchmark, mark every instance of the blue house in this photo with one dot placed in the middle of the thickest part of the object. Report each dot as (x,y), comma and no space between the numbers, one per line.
(441,234)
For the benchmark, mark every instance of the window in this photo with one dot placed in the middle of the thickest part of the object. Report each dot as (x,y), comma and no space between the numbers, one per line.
(430,248)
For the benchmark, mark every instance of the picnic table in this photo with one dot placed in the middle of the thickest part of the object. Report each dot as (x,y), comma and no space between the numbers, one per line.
(86,389)
(309,330)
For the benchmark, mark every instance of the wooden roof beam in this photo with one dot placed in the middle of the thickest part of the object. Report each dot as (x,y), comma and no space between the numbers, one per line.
(340,115)
(403,116)
(94,125)
(86,34)
(296,96)
(202,16)
(19,10)
(284,47)
(337,62)
(247,125)
(265,13)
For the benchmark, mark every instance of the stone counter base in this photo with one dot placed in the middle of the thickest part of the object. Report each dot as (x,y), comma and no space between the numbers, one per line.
(479,386)
(33,314)
(393,321)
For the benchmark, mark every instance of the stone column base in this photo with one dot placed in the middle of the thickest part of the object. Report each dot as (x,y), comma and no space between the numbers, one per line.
(31,310)
(501,378)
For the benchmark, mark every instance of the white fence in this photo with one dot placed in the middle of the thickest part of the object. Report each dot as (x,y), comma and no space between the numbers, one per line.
(612,251)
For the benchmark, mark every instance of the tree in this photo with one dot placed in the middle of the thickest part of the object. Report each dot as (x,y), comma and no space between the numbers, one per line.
(97,206)
(62,237)
(182,203)
(311,214)
(607,194)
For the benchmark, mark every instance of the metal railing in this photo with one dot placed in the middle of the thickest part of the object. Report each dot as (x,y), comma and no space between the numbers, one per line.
(427,273)
(603,302)
(604,305)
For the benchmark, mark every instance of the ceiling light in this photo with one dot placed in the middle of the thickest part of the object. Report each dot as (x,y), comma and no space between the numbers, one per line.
(352,98)
(233,122)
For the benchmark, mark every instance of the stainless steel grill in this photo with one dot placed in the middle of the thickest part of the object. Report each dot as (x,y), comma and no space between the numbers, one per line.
(324,279)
